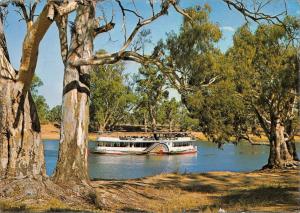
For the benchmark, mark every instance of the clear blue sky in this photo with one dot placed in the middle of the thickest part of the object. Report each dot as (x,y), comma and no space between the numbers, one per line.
(50,68)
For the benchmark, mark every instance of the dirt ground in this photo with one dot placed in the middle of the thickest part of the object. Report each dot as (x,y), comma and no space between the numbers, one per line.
(260,191)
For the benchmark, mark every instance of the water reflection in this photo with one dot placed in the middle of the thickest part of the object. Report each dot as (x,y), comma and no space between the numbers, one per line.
(243,157)
(133,166)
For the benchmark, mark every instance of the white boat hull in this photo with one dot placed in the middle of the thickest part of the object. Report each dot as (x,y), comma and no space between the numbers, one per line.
(129,146)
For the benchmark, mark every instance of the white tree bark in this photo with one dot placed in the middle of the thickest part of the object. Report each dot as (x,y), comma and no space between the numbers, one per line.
(72,161)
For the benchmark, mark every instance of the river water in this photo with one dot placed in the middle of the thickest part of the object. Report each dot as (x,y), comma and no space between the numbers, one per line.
(236,158)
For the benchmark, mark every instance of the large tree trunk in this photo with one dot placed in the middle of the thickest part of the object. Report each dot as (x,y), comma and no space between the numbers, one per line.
(72,162)
(282,153)
(21,148)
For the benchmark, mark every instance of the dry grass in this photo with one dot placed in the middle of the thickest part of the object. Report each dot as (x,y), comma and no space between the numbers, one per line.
(208,192)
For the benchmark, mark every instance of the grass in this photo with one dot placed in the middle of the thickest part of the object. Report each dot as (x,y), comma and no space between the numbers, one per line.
(12,207)
(208,192)
(266,191)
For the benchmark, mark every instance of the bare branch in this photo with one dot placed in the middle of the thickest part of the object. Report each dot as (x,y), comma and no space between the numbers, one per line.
(255,15)
(263,121)
(105,28)
(152,6)
(31,43)
(32,10)
(20,4)
(123,9)
(140,24)
(180,10)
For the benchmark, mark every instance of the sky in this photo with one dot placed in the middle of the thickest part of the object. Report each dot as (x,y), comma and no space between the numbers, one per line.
(50,67)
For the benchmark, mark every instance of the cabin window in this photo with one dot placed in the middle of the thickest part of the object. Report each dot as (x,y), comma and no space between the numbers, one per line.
(179,144)
(108,144)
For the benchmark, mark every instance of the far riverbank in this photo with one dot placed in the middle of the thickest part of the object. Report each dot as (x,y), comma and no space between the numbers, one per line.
(50,132)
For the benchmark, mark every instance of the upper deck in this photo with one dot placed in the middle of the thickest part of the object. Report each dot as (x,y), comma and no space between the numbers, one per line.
(157,137)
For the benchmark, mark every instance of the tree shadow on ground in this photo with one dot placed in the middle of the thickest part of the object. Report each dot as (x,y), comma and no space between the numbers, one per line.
(199,187)
(188,186)
(128,209)
(264,195)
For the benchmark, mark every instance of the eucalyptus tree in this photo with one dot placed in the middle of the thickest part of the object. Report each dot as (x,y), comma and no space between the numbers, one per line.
(265,63)
(21,148)
(78,58)
(256,89)
(54,114)
(186,122)
(151,87)
(140,113)
(111,98)
(169,111)
(197,65)
(212,84)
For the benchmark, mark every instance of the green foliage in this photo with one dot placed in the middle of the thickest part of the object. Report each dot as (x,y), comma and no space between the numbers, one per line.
(42,108)
(111,99)
(169,112)
(205,76)
(231,94)
(36,83)
(186,122)
(256,83)
(265,63)
(151,91)
(40,101)
(54,115)
(192,51)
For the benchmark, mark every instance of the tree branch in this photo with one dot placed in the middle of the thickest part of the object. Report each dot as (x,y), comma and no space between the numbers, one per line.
(263,121)
(180,10)
(123,9)
(140,24)
(105,28)
(255,15)
(31,44)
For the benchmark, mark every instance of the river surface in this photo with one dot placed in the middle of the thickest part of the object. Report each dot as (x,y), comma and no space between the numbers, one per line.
(236,158)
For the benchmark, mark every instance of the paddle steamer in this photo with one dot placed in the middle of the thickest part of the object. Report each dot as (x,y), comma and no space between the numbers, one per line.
(159,143)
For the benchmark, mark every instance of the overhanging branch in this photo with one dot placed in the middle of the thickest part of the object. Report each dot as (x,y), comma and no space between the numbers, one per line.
(256,14)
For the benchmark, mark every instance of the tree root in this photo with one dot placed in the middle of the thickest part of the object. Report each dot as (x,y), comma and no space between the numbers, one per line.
(293,164)
(43,194)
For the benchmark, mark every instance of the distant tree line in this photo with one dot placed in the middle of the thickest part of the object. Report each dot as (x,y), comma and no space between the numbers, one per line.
(143,99)
(120,99)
